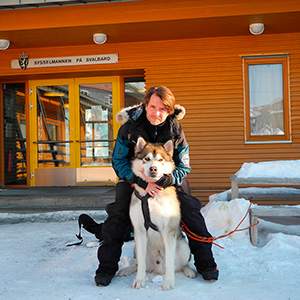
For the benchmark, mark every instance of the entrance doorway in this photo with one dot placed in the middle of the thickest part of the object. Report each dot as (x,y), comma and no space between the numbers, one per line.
(61,132)
(72,130)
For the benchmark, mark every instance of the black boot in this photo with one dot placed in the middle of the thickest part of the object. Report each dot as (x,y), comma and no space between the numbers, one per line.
(208,269)
(104,277)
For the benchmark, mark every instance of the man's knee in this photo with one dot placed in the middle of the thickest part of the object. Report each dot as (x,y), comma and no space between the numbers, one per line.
(188,202)
(122,200)
(185,186)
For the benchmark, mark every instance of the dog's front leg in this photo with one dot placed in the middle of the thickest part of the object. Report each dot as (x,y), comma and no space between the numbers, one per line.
(170,246)
(140,238)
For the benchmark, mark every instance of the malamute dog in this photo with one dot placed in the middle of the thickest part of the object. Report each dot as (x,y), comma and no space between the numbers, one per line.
(164,251)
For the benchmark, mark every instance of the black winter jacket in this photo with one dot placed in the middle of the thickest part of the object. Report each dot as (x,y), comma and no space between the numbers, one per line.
(136,124)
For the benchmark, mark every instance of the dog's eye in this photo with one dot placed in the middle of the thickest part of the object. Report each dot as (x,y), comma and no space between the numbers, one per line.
(146,159)
(160,160)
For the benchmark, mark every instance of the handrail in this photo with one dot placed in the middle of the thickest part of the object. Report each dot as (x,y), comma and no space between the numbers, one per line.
(87,141)
(78,141)
(52,142)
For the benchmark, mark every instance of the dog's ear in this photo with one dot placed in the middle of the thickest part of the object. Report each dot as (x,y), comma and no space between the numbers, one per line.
(140,144)
(169,147)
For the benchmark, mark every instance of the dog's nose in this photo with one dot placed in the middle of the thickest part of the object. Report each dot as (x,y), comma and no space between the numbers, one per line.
(153,169)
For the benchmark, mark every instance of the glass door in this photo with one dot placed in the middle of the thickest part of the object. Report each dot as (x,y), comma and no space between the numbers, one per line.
(51,133)
(72,131)
(98,102)
(53,126)
(14,134)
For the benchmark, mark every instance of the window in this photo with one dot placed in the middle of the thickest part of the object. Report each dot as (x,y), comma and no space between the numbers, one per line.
(14,133)
(96,113)
(266,99)
(135,89)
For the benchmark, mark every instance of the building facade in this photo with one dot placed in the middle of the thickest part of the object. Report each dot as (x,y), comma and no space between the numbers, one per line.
(60,90)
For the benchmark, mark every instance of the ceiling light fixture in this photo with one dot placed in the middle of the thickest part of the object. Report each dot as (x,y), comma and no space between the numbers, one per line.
(256,28)
(99,38)
(4,44)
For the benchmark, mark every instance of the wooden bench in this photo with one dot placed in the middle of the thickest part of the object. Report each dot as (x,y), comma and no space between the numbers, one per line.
(267,211)
(286,182)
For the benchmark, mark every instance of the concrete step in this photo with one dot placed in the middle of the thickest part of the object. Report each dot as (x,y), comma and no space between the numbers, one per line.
(55,198)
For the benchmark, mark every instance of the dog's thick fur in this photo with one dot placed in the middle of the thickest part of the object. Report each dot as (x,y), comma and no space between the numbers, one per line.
(166,251)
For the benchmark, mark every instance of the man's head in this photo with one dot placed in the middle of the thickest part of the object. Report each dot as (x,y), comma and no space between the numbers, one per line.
(159,104)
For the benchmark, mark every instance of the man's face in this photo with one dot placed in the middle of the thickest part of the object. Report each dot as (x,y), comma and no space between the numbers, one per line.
(156,112)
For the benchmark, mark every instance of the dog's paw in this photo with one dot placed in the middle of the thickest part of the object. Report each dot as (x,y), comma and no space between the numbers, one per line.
(188,272)
(124,272)
(138,283)
(168,285)
(127,271)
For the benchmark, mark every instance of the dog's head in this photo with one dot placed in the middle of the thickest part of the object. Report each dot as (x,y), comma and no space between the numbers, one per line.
(152,161)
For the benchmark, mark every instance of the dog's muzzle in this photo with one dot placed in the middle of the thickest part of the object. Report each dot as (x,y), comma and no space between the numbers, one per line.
(153,171)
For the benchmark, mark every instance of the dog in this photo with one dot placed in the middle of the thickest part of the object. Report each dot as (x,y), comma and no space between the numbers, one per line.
(164,251)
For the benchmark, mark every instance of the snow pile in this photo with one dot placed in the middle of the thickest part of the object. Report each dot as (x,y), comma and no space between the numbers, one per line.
(272,169)
(36,264)
(222,218)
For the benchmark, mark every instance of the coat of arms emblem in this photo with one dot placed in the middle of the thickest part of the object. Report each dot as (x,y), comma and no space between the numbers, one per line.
(23,61)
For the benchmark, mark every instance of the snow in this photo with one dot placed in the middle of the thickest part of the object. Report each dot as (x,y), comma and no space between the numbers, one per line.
(273,169)
(36,264)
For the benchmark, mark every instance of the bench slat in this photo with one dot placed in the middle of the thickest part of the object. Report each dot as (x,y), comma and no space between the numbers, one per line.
(235,181)
(267,211)
(273,197)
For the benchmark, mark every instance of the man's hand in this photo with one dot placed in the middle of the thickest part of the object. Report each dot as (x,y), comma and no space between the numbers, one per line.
(152,188)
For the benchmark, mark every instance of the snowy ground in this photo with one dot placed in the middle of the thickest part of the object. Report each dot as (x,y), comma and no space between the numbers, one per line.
(36,264)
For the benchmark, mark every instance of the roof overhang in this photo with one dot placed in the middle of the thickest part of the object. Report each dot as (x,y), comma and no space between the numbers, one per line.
(150,20)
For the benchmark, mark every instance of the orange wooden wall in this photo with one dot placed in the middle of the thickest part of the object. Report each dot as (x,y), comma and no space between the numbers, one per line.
(206,76)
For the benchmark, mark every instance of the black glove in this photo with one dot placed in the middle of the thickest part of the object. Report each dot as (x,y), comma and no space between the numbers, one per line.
(165,181)
(140,182)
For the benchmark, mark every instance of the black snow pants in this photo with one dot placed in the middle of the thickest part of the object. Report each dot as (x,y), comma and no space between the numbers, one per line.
(118,219)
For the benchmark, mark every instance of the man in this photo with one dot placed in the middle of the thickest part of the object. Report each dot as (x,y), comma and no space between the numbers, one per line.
(156,120)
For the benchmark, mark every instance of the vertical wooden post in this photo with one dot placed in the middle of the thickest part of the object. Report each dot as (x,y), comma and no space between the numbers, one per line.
(254,229)
(234,187)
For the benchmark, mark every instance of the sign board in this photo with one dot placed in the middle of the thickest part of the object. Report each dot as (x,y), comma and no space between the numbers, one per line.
(25,62)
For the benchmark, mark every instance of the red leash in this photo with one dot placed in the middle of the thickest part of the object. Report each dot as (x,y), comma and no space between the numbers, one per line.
(212,239)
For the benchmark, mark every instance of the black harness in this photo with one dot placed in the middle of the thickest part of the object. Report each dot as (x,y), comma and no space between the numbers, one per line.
(145,210)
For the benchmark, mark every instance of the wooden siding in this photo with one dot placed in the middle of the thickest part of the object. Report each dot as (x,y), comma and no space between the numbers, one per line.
(206,77)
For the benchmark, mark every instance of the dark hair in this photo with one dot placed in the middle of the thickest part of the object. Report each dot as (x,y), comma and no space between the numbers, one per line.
(164,94)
